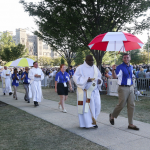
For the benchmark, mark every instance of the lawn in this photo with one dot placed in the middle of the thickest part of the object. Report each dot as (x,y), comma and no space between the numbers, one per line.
(22,131)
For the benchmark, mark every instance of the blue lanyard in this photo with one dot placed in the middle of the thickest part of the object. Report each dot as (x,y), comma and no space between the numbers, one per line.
(129,70)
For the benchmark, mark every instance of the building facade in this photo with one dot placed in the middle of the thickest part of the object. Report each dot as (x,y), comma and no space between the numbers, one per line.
(35,46)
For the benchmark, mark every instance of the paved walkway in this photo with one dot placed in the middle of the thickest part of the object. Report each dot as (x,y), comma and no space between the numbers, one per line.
(116,137)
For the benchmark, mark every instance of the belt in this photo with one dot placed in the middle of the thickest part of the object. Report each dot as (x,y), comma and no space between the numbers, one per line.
(125,85)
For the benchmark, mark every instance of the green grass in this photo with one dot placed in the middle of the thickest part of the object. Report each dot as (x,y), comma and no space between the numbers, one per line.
(22,131)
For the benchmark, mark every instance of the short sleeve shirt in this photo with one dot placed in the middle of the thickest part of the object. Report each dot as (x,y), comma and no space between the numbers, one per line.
(62,78)
(124,74)
(26,80)
(15,81)
(71,72)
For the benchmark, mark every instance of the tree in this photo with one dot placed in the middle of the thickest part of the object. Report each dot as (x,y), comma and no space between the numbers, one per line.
(12,53)
(62,60)
(137,57)
(81,57)
(112,58)
(82,20)
(45,61)
(6,40)
(147,45)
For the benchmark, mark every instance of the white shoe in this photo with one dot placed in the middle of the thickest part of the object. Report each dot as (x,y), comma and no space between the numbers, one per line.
(64,111)
(59,106)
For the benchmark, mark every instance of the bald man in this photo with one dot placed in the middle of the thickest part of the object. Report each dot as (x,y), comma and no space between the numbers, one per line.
(88,80)
(26,82)
(6,86)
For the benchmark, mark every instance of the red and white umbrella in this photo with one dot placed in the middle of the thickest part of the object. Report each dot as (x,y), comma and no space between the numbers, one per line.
(115,41)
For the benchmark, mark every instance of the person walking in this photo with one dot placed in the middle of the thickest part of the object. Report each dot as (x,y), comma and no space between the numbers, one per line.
(88,80)
(26,82)
(6,86)
(36,75)
(71,73)
(124,73)
(15,82)
(61,79)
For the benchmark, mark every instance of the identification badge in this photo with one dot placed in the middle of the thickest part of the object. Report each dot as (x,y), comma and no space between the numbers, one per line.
(65,85)
(28,80)
(129,81)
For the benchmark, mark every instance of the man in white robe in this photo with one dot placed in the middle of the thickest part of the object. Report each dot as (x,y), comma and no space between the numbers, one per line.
(89,102)
(36,75)
(6,82)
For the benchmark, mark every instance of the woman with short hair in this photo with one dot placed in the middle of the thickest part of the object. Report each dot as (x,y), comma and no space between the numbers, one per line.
(61,79)
(15,82)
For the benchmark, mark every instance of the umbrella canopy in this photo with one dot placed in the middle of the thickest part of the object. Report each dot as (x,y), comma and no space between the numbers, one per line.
(22,62)
(8,64)
(115,41)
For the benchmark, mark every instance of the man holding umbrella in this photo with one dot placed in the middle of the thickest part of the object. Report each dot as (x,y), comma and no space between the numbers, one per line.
(124,73)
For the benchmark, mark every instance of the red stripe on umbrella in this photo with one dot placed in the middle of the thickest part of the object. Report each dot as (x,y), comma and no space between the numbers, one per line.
(115,41)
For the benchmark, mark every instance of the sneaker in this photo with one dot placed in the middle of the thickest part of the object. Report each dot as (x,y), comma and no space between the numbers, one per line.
(64,111)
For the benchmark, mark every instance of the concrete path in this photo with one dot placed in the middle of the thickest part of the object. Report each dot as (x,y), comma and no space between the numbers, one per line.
(116,137)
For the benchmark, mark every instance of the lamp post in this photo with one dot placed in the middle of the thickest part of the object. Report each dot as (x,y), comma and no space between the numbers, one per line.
(148,47)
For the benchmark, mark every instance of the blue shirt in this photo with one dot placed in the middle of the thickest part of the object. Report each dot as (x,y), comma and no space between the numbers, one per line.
(15,81)
(71,72)
(62,78)
(26,80)
(124,74)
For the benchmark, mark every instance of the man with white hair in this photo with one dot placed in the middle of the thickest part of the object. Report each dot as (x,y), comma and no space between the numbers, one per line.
(6,86)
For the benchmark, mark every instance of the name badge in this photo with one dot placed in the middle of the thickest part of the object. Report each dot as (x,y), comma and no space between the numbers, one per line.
(129,81)
(28,80)
(65,85)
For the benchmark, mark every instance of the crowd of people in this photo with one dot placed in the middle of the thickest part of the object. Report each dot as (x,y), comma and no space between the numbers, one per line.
(87,78)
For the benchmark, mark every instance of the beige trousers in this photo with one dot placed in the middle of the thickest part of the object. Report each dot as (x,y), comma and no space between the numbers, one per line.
(125,95)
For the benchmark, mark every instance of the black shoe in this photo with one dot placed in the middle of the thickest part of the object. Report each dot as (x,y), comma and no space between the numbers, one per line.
(133,128)
(28,102)
(10,93)
(4,93)
(37,104)
(96,126)
(111,120)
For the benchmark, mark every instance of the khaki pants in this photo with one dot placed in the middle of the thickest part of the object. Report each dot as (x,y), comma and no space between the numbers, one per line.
(125,95)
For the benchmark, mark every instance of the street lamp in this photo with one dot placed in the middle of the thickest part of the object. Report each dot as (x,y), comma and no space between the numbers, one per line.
(148,47)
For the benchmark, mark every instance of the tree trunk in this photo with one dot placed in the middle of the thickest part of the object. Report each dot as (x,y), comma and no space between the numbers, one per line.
(98,55)
(69,63)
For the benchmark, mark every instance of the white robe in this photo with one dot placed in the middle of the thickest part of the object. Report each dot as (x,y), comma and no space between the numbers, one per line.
(36,84)
(7,88)
(83,72)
